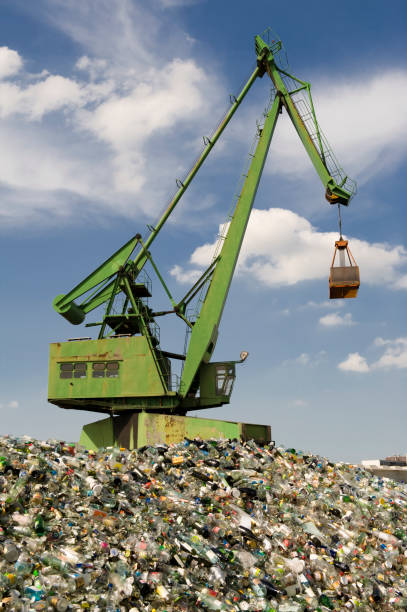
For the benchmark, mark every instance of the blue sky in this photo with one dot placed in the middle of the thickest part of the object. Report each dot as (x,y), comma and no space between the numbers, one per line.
(104,104)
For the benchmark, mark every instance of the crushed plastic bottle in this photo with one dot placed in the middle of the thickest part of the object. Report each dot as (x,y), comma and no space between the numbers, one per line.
(216,525)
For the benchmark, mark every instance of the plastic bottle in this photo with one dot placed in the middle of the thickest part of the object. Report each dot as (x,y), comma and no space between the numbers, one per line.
(17,489)
(10,551)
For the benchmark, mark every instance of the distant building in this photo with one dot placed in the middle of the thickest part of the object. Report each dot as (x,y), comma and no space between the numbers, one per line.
(394,467)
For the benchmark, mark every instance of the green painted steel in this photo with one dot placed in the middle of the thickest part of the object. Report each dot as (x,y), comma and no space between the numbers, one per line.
(335,193)
(147,429)
(98,435)
(64,304)
(137,383)
(137,373)
(205,331)
(156,429)
(126,371)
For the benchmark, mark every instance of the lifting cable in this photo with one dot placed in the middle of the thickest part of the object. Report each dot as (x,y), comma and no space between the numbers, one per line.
(340,222)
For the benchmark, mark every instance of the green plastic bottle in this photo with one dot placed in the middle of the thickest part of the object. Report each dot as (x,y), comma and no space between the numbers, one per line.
(39,525)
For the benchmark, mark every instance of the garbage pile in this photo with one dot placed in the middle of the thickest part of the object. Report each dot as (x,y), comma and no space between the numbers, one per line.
(200,525)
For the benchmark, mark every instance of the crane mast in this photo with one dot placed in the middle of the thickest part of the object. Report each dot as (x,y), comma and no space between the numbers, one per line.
(125,369)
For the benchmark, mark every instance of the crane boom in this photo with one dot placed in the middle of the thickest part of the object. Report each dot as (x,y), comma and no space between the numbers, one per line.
(205,331)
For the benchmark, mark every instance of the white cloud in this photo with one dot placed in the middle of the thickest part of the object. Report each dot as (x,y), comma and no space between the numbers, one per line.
(302,360)
(394,356)
(115,127)
(401,283)
(334,319)
(282,248)
(50,94)
(123,120)
(163,98)
(185,276)
(347,112)
(12,404)
(95,67)
(127,110)
(299,403)
(305,359)
(354,363)
(10,62)
(382,342)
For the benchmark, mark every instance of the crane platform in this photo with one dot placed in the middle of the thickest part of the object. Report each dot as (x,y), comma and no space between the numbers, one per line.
(136,430)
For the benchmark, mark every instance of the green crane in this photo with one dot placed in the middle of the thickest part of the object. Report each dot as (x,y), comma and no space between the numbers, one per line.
(125,370)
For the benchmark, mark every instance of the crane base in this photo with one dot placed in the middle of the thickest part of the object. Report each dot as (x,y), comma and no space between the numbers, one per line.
(144,429)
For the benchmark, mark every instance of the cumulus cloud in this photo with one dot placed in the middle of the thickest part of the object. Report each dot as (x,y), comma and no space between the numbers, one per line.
(393,357)
(10,62)
(94,137)
(185,276)
(347,112)
(354,363)
(126,110)
(163,98)
(86,138)
(281,248)
(47,95)
(123,120)
(334,319)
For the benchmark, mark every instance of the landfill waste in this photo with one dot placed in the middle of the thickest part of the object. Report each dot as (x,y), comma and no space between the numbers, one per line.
(199,525)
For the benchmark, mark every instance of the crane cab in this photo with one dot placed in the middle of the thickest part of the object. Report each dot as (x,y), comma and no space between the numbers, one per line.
(344,279)
(122,374)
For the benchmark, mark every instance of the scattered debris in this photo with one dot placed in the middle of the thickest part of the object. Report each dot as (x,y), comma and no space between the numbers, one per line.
(216,525)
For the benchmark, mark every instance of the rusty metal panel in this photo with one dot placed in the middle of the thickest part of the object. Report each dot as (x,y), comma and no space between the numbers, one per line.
(168,429)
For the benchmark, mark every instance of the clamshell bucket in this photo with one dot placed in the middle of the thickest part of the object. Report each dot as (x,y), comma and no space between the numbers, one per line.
(344,280)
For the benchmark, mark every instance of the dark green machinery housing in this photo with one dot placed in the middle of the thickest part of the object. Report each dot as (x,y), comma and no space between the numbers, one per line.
(125,370)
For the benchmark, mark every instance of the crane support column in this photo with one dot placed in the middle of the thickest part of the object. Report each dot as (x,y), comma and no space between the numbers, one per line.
(205,330)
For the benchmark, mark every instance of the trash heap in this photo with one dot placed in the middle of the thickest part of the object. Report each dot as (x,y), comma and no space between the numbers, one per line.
(216,525)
